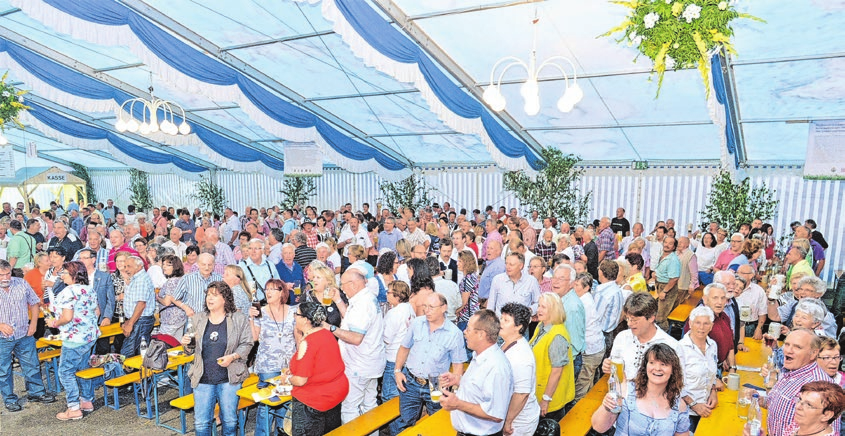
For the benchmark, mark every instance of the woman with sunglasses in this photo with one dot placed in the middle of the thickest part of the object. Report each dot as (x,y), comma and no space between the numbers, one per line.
(817,406)
(76,313)
(830,359)
(273,328)
(220,347)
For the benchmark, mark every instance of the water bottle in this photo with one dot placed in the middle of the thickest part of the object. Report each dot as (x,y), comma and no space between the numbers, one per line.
(143,348)
(754,415)
(613,389)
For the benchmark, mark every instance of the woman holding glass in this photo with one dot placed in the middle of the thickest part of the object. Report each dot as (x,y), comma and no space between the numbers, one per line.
(273,328)
(317,374)
(326,292)
(76,317)
(172,318)
(468,288)
(650,404)
(220,346)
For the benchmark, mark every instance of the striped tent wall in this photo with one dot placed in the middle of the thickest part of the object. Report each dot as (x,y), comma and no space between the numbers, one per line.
(671,191)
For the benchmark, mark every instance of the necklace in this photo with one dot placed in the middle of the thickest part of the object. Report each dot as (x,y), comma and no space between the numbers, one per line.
(811,433)
(272,315)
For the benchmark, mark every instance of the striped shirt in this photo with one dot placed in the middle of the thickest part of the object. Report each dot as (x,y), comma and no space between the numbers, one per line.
(546,251)
(140,289)
(14,309)
(192,289)
(784,395)
(606,242)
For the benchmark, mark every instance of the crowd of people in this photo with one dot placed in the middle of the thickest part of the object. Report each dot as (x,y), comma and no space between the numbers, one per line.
(356,307)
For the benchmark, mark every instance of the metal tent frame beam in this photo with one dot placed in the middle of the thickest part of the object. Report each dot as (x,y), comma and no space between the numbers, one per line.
(422,39)
(135,92)
(35,132)
(179,30)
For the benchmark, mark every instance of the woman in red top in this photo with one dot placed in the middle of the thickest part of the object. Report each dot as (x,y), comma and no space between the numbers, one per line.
(317,375)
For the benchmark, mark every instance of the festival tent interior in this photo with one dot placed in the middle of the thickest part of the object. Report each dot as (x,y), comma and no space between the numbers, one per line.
(372,90)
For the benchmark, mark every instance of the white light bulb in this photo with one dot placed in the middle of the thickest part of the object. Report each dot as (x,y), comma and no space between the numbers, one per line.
(144,128)
(120,125)
(565,104)
(165,126)
(132,126)
(530,88)
(3,140)
(499,103)
(491,94)
(532,106)
(184,128)
(153,127)
(576,93)
(173,130)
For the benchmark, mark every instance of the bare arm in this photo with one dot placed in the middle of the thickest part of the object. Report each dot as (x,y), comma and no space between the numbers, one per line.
(350,337)
(517,403)
(772,309)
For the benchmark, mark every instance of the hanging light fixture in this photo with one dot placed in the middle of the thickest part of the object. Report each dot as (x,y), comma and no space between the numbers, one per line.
(530,90)
(3,139)
(149,122)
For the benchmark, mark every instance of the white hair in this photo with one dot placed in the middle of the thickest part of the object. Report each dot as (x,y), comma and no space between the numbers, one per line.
(572,273)
(720,277)
(702,311)
(738,234)
(714,285)
(813,307)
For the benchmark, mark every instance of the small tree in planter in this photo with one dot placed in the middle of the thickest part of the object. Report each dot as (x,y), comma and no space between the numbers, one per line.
(732,204)
(411,192)
(297,191)
(139,185)
(210,195)
(554,193)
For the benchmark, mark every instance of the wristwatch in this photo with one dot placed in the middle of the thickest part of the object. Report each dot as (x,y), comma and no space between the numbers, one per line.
(693,403)
(332,328)
(546,398)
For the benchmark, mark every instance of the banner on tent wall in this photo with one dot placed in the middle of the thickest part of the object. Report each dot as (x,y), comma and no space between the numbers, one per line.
(7,162)
(31,150)
(303,160)
(826,151)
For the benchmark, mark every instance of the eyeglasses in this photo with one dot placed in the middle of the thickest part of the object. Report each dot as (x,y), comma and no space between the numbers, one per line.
(826,358)
(425,307)
(736,240)
(85,258)
(272,289)
(805,404)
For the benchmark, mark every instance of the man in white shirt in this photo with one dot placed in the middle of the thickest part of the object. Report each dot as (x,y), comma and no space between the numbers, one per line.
(361,346)
(594,339)
(175,242)
(274,245)
(630,345)
(636,232)
(513,286)
(547,227)
(231,228)
(535,222)
(751,295)
(353,233)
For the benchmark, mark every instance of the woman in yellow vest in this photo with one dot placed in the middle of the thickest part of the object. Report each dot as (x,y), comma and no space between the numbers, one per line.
(550,344)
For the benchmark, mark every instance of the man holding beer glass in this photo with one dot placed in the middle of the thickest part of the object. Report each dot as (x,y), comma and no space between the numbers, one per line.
(431,345)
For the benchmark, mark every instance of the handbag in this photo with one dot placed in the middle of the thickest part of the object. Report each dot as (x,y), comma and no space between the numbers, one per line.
(156,357)
(547,427)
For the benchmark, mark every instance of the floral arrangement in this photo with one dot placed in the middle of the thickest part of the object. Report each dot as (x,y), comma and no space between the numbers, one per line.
(11,103)
(679,33)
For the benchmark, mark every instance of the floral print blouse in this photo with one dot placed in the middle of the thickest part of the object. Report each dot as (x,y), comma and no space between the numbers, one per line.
(82,329)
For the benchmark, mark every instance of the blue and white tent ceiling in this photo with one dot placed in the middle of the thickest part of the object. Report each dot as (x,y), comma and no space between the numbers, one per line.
(301,53)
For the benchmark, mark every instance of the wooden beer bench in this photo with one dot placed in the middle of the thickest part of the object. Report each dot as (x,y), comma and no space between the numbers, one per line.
(370,421)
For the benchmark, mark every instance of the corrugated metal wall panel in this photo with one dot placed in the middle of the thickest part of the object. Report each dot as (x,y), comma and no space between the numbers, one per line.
(677,192)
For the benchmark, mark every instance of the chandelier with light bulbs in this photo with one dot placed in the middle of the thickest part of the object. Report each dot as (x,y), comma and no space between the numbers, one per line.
(149,122)
(530,90)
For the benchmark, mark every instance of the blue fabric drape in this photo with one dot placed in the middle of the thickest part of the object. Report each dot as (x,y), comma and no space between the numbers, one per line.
(80,130)
(197,65)
(73,82)
(390,42)
(718,78)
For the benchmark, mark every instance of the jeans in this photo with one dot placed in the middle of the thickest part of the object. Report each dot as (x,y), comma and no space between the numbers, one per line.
(73,360)
(388,384)
(261,415)
(206,397)
(142,329)
(411,403)
(577,362)
(463,326)
(24,349)
(306,421)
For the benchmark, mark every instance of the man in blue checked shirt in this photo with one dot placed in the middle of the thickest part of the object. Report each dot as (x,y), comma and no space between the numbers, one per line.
(430,347)
(17,299)
(139,303)
(609,301)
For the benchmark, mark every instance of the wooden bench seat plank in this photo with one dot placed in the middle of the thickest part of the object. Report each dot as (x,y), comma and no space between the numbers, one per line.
(370,421)
(132,377)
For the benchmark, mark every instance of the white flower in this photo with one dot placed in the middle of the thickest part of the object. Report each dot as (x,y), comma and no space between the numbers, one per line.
(668,2)
(5,94)
(670,63)
(691,12)
(20,99)
(723,5)
(650,19)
